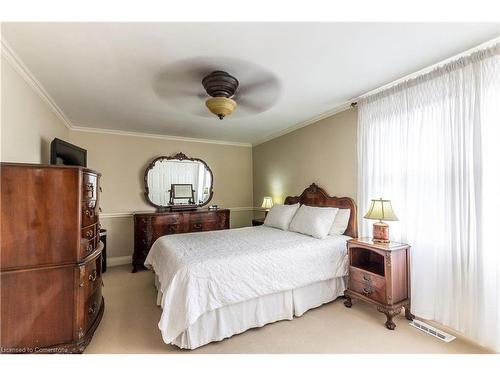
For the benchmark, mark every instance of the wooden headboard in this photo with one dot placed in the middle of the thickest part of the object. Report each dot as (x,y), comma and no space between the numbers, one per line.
(316,196)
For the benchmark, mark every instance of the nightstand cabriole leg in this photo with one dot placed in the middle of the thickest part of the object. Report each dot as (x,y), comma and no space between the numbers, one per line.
(348,301)
(389,313)
(408,314)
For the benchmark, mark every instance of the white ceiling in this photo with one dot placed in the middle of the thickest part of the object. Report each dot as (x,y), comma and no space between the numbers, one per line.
(106,75)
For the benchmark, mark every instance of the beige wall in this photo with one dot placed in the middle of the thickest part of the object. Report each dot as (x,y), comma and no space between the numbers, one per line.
(28,125)
(324,153)
(122,159)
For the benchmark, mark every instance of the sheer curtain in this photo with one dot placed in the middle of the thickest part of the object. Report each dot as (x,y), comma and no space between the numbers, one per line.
(432,146)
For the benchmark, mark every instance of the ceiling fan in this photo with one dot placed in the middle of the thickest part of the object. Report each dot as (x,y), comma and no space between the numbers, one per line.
(221,86)
(183,84)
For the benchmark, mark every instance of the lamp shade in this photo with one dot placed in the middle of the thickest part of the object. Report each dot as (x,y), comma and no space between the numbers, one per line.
(267,202)
(381,209)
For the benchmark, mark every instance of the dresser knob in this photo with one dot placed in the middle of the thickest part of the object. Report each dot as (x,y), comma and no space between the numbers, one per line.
(93,275)
(89,233)
(89,213)
(92,308)
(89,248)
(90,189)
(366,278)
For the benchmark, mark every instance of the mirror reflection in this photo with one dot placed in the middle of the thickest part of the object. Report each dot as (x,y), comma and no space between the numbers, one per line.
(174,182)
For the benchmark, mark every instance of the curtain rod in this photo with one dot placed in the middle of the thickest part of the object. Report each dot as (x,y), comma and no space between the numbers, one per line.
(420,72)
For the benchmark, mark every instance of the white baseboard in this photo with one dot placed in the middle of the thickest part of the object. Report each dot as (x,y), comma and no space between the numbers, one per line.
(119,261)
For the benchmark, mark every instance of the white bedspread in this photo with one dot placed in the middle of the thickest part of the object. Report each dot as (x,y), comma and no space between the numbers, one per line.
(200,272)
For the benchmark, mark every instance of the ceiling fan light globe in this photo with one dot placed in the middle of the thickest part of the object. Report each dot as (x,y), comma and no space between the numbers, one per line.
(220,106)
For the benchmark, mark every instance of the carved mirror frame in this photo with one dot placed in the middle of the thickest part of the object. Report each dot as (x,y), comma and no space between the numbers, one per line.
(179,156)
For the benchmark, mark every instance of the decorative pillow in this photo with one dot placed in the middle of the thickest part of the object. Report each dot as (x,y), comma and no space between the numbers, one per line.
(341,221)
(281,215)
(313,221)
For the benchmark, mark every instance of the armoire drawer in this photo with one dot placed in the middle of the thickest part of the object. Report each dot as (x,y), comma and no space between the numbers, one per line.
(89,188)
(90,213)
(91,276)
(91,309)
(89,293)
(89,232)
(87,247)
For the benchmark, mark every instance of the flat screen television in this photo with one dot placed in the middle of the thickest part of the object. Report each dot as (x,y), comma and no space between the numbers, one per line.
(62,152)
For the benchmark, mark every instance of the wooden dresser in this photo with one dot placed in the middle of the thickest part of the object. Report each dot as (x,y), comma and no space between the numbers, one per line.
(50,267)
(148,226)
(379,273)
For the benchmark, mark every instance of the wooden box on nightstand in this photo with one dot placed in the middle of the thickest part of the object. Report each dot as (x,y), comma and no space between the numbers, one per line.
(379,273)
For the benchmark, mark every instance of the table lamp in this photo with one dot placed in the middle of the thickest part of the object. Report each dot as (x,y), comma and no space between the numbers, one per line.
(381,209)
(267,203)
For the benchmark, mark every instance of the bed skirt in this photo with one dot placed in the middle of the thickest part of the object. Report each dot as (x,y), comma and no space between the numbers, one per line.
(230,320)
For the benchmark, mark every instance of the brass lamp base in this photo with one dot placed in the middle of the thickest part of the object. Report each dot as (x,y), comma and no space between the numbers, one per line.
(380,232)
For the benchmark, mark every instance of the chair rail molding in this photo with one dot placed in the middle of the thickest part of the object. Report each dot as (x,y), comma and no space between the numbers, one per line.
(109,215)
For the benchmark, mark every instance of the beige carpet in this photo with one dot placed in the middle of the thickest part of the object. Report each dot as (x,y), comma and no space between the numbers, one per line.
(130,325)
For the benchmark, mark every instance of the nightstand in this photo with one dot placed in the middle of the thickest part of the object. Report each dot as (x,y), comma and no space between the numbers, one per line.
(379,273)
(257,222)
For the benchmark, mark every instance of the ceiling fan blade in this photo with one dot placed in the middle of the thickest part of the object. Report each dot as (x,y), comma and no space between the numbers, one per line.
(179,85)
(251,106)
(262,84)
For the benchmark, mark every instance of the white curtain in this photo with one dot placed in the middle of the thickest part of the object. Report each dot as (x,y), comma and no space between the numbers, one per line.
(432,146)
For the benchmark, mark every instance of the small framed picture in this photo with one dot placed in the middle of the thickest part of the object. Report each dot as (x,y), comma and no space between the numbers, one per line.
(182,191)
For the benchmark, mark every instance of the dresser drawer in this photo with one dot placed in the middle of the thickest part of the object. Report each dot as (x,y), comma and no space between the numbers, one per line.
(90,213)
(369,290)
(202,226)
(204,218)
(89,187)
(172,229)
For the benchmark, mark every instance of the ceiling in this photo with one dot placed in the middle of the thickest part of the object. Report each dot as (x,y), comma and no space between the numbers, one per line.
(112,75)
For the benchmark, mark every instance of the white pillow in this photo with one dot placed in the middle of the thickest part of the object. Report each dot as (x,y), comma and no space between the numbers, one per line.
(281,215)
(313,221)
(341,221)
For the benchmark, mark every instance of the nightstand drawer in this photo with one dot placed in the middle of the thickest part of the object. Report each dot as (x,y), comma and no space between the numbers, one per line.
(361,276)
(369,290)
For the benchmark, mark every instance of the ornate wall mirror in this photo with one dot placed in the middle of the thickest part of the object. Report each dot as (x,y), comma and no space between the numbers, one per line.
(178,182)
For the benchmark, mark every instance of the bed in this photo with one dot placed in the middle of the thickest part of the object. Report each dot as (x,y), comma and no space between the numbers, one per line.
(212,285)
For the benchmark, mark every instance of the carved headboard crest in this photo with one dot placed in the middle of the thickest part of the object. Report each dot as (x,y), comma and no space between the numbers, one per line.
(316,196)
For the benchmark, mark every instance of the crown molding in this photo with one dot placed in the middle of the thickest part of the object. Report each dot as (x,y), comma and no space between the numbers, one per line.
(113,215)
(340,108)
(157,136)
(429,68)
(15,61)
(20,67)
